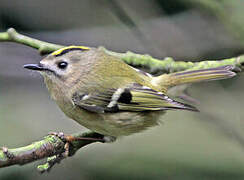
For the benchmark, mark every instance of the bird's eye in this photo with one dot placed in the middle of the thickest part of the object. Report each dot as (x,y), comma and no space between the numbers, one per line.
(62,65)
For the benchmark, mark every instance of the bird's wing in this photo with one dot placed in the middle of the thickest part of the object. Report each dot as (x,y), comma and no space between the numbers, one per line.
(132,98)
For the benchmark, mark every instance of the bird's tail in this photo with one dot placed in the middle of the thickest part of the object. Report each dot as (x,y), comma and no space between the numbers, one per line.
(169,80)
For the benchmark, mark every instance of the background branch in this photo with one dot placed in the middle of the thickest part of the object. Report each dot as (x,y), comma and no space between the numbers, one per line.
(170,65)
(43,47)
(154,65)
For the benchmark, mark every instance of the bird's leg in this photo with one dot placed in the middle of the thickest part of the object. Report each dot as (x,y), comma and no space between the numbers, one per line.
(104,139)
(109,139)
(68,139)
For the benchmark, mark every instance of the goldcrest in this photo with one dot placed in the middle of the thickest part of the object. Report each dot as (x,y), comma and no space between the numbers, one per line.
(107,96)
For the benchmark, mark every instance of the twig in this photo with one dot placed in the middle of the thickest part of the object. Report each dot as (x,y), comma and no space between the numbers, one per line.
(50,146)
(169,65)
(43,47)
(154,65)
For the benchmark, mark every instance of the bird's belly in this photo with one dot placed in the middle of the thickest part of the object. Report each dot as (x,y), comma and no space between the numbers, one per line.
(115,124)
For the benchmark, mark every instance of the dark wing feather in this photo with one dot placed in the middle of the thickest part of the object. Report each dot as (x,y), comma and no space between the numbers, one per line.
(132,98)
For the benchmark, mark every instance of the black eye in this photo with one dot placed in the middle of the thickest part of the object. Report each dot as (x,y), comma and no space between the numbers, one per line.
(62,65)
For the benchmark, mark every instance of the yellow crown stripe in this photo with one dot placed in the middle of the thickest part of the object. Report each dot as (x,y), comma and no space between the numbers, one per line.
(60,51)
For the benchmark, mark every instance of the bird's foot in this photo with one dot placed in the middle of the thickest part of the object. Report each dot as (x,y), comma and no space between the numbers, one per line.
(6,152)
(69,139)
(70,147)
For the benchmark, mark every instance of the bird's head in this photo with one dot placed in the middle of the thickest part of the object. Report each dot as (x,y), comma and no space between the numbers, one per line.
(66,64)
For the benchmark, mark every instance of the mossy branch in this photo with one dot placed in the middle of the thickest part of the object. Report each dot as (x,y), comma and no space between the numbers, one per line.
(154,65)
(51,146)
(169,65)
(43,47)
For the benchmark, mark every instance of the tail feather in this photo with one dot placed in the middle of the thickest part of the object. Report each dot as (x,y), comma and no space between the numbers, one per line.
(169,80)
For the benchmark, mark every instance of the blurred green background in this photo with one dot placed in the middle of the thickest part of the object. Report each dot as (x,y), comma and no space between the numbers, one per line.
(205,145)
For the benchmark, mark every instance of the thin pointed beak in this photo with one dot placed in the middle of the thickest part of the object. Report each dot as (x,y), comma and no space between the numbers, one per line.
(35,67)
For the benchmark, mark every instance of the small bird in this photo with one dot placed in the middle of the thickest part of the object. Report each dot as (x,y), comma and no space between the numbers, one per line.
(107,96)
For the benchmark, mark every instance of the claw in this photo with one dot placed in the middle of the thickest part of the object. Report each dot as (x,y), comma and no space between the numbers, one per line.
(59,135)
(67,149)
(236,69)
(68,139)
(7,153)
